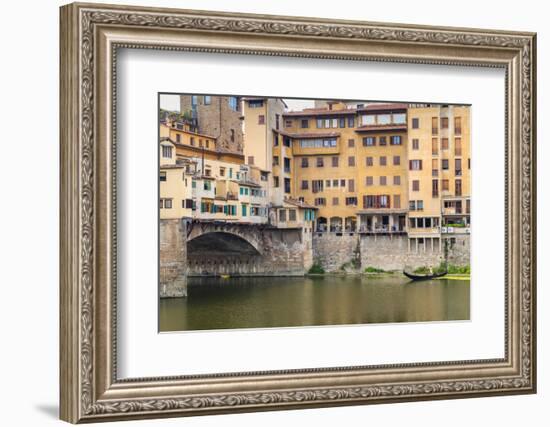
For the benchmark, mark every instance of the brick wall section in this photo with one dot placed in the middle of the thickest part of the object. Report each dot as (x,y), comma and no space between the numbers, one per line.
(173,258)
(385,252)
(459,252)
(392,253)
(217,119)
(333,251)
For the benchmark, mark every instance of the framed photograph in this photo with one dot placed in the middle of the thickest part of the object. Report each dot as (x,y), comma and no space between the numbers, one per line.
(268,212)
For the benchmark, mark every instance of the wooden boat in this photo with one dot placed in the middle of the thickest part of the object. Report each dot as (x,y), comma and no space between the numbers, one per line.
(424,276)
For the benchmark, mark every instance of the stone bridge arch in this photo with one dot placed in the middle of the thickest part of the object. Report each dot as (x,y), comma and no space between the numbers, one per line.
(223,238)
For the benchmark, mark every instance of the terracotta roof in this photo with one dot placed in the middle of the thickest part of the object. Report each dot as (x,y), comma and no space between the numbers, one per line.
(311,135)
(172,167)
(189,132)
(384,107)
(249,184)
(372,128)
(299,204)
(319,112)
(200,149)
(326,112)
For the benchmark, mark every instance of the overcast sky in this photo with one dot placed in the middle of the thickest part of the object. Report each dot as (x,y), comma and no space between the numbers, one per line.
(172,103)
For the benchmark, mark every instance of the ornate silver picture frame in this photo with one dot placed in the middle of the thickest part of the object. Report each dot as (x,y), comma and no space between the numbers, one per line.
(91,34)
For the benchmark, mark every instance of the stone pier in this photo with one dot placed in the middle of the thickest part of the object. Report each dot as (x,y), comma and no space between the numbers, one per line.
(173,258)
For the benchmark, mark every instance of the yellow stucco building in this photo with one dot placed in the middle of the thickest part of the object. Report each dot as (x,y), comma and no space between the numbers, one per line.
(344,167)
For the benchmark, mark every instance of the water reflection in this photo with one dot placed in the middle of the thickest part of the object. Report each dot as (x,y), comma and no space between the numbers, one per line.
(260,302)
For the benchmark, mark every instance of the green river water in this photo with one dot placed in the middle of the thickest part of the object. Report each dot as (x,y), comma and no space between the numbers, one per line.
(264,302)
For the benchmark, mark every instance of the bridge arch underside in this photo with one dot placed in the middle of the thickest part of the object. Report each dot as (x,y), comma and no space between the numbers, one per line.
(217,253)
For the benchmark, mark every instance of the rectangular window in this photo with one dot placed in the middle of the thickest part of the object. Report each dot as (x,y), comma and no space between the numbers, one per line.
(320,201)
(397,180)
(445,164)
(282,215)
(286,161)
(351,185)
(207,99)
(383,180)
(222,171)
(370,161)
(163,176)
(415,165)
(192,141)
(444,143)
(351,201)
(435,147)
(288,123)
(383,119)
(178,138)
(317,185)
(351,122)
(458,167)
(369,141)
(166,151)
(305,185)
(305,162)
(319,123)
(351,143)
(292,214)
(335,183)
(304,124)
(287,185)
(327,183)
(368,120)
(168,203)
(415,144)
(276,181)
(372,202)
(415,185)
(445,184)
(420,205)
(351,161)
(458,126)
(277,118)
(286,141)
(415,123)
(435,188)
(334,123)
(444,123)
(250,160)
(275,160)
(396,140)
(458,187)
(320,162)
(342,122)
(458,146)
(382,141)
(369,181)
(399,118)
(232,136)
(435,129)
(335,201)
(342,183)
(397,201)
(327,123)
(396,160)
(233,103)
(261,119)
(383,161)
(335,162)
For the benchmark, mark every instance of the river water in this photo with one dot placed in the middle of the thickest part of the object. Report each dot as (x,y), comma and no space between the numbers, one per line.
(263,302)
